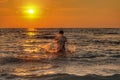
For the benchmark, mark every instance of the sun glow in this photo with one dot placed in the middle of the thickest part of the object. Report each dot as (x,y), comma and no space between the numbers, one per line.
(32,11)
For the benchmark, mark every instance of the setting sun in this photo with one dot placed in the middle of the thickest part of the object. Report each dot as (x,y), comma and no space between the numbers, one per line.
(60,13)
(31,11)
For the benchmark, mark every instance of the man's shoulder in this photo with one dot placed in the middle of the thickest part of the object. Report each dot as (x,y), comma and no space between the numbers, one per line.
(63,37)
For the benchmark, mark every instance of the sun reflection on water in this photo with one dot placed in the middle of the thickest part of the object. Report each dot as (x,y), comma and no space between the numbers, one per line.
(31,32)
(32,70)
(31,29)
(29,47)
(31,50)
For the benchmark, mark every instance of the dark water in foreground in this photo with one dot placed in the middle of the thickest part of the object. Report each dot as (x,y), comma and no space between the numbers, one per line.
(95,55)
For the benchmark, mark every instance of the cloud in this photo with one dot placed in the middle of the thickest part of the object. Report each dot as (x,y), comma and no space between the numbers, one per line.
(3,1)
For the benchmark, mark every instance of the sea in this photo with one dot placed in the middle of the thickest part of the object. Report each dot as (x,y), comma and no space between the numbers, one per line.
(28,54)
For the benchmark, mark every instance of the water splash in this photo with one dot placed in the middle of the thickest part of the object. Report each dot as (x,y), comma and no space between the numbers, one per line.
(52,47)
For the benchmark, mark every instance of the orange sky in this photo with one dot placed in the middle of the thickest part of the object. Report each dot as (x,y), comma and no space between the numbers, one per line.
(60,13)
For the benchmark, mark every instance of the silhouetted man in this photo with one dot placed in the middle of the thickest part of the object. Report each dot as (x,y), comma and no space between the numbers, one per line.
(61,40)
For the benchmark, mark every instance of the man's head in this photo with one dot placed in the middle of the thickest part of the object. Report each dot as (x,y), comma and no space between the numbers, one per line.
(61,32)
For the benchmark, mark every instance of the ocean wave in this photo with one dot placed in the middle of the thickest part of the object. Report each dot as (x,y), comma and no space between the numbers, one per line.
(45,37)
(60,77)
(105,42)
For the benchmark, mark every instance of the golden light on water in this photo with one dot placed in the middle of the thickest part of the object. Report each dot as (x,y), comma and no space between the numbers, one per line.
(31,31)
(31,50)
(29,70)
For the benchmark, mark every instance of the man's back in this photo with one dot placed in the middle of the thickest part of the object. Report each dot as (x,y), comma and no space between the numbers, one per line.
(61,43)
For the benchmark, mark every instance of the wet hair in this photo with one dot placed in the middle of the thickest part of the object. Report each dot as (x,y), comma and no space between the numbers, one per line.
(61,32)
